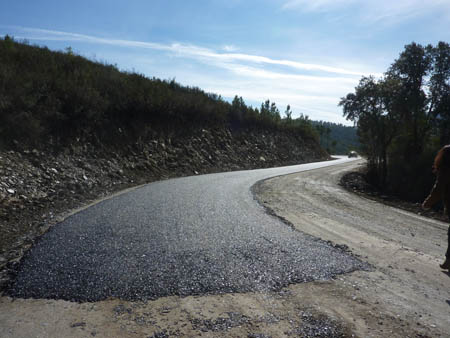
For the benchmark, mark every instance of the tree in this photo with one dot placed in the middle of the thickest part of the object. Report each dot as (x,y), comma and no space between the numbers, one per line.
(270,113)
(320,130)
(69,50)
(274,112)
(288,113)
(439,87)
(265,109)
(328,132)
(238,110)
(373,109)
(410,70)
(333,146)
(402,117)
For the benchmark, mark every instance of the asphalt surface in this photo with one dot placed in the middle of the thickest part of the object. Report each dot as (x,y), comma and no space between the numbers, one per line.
(186,236)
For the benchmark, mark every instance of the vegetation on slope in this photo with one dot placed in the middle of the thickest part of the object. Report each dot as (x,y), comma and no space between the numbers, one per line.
(56,97)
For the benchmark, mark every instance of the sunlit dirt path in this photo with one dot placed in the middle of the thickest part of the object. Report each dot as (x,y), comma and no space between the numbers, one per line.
(404,249)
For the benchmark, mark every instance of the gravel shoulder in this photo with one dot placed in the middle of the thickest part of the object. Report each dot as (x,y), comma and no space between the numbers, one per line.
(406,294)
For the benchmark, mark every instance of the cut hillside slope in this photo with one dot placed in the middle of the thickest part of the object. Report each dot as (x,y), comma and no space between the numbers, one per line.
(73,130)
(39,187)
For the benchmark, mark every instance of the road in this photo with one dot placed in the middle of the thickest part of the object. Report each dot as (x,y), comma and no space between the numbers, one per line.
(406,290)
(404,294)
(187,236)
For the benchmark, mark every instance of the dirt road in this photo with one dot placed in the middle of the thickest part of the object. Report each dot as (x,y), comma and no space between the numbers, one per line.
(404,295)
(406,291)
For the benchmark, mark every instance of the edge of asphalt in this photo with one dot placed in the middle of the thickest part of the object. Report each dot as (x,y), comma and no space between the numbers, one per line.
(65,214)
(271,212)
(253,190)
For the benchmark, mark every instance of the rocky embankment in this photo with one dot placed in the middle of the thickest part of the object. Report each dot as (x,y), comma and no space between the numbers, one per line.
(39,187)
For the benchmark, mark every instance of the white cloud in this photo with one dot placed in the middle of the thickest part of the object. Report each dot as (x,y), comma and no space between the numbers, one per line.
(230,48)
(401,10)
(374,11)
(263,73)
(185,50)
(316,5)
(314,89)
(315,96)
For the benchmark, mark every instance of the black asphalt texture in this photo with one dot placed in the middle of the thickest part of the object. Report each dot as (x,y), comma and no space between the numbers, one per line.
(188,236)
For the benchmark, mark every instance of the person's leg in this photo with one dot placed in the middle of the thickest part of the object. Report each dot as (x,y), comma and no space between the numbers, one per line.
(446,264)
(448,245)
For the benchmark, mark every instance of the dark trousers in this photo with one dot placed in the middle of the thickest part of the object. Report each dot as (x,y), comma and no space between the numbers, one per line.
(448,246)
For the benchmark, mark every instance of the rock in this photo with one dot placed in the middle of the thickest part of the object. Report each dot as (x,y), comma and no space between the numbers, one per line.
(79,324)
(11,191)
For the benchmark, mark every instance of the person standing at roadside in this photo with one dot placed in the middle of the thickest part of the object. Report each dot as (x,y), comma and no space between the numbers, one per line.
(441,191)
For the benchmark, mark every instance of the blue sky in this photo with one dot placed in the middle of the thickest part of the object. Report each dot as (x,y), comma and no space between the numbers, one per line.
(306,53)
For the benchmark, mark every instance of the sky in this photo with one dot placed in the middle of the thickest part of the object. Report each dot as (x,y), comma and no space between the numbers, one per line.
(305,53)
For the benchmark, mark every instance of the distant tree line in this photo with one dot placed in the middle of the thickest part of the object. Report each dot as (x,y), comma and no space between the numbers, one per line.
(337,138)
(403,118)
(60,96)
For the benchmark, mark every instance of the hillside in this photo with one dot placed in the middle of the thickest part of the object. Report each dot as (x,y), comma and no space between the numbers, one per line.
(50,97)
(337,138)
(73,131)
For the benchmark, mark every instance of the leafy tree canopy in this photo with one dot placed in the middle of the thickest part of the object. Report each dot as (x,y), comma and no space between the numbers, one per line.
(404,117)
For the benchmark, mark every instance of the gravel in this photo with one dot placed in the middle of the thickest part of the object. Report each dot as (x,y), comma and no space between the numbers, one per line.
(188,236)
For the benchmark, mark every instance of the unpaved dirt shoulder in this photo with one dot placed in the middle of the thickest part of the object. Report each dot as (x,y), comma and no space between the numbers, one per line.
(406,293)
(319,309)
(285,314)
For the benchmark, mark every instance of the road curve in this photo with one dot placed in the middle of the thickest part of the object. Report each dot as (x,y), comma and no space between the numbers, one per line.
(185,236)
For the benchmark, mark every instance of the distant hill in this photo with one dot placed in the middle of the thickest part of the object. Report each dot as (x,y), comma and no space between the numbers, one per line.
(339,140)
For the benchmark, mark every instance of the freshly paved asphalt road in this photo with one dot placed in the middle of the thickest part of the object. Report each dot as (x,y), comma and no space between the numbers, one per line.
(186,236)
